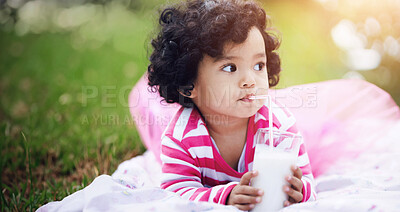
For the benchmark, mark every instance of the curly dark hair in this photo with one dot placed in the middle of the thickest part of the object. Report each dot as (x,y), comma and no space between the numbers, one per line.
(197,27)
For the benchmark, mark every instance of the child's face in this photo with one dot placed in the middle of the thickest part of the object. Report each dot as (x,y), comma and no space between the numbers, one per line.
(224,84)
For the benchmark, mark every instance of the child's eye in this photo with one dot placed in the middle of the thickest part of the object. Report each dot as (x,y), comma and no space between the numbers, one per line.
(229,68)
(259,66)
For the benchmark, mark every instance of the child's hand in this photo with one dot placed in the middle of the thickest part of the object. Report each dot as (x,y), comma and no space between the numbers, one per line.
(295,191)
(244,196)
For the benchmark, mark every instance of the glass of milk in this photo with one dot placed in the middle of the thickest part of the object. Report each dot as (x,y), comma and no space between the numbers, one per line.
(273,164)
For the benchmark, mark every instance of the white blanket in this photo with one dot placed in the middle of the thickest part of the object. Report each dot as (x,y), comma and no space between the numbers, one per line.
(369,183)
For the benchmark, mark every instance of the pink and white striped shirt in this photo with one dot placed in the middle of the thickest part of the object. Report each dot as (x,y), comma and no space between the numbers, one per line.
(193,168)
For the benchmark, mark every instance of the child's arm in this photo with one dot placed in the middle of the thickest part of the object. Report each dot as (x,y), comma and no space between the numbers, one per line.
(181,175)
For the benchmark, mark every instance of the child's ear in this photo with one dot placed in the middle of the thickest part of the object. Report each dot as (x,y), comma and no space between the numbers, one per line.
(193,93)
(188,91)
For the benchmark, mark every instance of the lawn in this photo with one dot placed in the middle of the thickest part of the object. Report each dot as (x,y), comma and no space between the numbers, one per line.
(64,85)
(63,111)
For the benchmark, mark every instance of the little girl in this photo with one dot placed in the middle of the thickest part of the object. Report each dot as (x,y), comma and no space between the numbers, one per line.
(211,56)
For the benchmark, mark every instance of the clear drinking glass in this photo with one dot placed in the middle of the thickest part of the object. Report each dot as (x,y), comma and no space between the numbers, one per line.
(273,164)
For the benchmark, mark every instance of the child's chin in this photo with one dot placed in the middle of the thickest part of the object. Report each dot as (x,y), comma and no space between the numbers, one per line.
(248,112)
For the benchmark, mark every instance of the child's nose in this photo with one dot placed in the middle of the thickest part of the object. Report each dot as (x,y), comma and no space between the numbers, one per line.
(247,81)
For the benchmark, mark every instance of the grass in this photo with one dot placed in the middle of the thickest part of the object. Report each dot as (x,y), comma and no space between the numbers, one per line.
(64,117)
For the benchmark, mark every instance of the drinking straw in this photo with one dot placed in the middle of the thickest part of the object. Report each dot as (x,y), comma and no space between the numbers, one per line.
(270,120)
(259,97)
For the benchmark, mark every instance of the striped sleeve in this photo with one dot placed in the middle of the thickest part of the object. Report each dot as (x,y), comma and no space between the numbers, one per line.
(303,163)
(181,175)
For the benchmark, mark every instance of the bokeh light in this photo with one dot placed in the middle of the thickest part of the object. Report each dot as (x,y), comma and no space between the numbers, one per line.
(368,34)
(53,51)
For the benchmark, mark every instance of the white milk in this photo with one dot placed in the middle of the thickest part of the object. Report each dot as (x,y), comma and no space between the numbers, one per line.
(272,168)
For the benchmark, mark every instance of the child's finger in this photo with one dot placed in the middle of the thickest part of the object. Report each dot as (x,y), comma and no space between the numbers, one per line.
(248,190)
(245,180)
(245,207)
(297,196)
(287,203)
(295,182)
(246,199)
(297,172)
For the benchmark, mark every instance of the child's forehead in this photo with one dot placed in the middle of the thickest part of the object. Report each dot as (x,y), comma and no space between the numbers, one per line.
(254,40)
(232,48)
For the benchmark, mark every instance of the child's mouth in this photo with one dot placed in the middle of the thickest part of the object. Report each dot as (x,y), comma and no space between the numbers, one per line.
(247,98)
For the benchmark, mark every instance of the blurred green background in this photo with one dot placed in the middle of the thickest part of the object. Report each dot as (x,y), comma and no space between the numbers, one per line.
(66,69)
